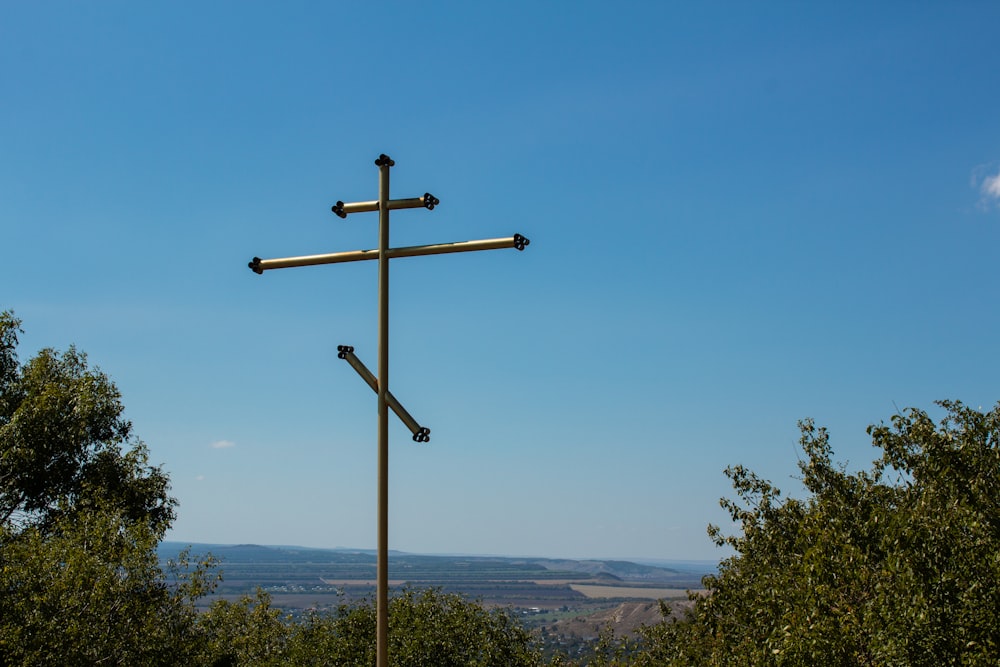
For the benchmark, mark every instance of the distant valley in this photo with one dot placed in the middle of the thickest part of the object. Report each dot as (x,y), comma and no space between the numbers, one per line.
(566,602)
(300,577)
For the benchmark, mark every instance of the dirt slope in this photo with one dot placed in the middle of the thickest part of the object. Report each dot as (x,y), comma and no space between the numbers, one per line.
(625,619)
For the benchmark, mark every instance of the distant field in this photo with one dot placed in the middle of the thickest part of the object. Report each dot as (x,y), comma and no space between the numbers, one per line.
(600,591)
(566,602)
(304,578)
(359,582)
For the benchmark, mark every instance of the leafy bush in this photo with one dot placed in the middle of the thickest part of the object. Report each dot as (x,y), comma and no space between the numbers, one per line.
(897,565)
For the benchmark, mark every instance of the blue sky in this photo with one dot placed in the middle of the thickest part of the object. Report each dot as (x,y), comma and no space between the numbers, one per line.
(739,217)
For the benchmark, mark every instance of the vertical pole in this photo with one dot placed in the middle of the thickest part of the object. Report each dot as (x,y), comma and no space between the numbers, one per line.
(382,560)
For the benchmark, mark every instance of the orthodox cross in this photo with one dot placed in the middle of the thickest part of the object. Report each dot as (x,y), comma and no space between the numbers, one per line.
(380,384)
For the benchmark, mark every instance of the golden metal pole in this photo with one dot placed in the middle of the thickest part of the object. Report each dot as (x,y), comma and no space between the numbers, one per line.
(382,560)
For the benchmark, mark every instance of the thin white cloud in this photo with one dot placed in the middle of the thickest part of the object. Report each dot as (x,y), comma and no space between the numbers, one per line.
(223,444)
(987,181)
(991,186)
(199,478)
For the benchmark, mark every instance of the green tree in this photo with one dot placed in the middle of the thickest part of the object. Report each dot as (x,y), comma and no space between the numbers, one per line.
(90,590)
(944,542)
(245,632)
(426,628)
(81,513)
(64,444)
(897,565)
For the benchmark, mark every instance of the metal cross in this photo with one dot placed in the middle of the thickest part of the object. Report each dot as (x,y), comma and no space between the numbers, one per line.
(380,384)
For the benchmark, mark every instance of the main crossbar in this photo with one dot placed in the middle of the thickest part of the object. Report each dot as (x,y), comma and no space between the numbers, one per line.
(258,265)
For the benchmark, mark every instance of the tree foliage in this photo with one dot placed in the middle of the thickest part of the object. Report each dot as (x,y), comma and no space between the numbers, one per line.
(90,590)
(64,444)
(426,627)
(81,513)
(896,565)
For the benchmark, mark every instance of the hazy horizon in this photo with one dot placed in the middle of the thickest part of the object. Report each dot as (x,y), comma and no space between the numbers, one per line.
(678,562)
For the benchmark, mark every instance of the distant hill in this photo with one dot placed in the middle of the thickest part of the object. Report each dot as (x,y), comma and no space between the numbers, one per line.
(248,553)
(623,570)
(254,562)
